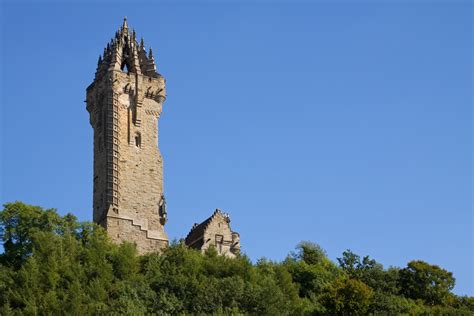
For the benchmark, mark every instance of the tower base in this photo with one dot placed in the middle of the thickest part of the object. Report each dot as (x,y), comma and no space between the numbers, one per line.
(121,229)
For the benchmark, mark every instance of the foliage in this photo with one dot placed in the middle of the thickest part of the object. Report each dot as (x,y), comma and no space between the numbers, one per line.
(55,265)
(370,272)
(420,280)
(346,296)
(311,269)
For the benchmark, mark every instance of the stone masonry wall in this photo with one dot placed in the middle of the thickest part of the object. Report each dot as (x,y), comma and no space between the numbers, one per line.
(137,163)
(217,228)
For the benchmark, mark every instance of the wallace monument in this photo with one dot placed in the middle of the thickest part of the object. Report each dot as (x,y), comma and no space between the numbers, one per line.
(125,101)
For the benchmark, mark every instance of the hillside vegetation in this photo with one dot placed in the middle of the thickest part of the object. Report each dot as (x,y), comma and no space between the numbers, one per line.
(55,265)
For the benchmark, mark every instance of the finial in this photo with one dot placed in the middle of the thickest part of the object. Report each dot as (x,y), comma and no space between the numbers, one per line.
(142,43)
(99,61)
(125,24)
(150,54)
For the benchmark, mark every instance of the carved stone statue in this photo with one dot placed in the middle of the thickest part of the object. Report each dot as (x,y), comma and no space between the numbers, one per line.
(162,210)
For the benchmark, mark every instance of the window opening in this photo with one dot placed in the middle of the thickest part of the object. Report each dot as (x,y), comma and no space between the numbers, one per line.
(138,140)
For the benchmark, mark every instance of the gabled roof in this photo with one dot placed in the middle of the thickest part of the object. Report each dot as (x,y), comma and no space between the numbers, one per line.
(198,229)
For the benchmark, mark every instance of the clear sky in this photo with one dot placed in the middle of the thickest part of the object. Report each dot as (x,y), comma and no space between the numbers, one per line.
(344,123)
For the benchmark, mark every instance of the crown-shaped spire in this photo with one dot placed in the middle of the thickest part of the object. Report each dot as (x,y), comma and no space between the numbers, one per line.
(124,51)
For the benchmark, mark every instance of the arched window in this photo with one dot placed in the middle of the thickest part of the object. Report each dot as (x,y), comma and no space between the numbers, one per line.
(126,64)
(125,67)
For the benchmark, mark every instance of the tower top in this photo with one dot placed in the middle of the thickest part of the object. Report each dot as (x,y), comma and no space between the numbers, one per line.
(125,53)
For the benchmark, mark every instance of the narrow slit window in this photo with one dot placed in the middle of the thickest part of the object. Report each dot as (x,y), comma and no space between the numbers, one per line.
(138,140)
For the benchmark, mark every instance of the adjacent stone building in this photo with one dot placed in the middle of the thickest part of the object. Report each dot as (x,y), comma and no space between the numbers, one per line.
(215,231)
(125,102)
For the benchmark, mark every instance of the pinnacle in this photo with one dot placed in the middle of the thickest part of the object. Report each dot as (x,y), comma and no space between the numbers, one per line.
(125,24)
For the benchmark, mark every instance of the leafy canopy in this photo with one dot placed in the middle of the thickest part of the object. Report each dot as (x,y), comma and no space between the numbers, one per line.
(55,265)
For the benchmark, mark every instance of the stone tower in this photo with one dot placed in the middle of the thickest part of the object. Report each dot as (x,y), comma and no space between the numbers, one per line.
(125,102)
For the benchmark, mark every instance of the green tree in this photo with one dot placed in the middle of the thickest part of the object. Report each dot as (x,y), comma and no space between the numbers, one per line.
(311,269)
(464,303)
(420,280)
(350,263)
(55,265)
(18,223)
(309,252)
(347,296)
(390,304)
(370,272)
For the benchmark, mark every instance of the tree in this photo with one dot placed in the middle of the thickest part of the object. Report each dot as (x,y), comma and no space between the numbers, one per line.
(347,296)
(54,264)
(390,304)
(420,280)
(309,252)
(350,263)
(18,224)
(311,269)
(370,272)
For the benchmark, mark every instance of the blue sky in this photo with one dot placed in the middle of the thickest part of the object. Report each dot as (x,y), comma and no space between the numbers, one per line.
(344,123)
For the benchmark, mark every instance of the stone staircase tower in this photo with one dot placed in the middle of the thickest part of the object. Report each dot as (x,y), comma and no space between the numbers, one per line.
(125,102)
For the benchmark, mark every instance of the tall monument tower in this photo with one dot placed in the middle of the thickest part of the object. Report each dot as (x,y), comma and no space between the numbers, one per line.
(125,102)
